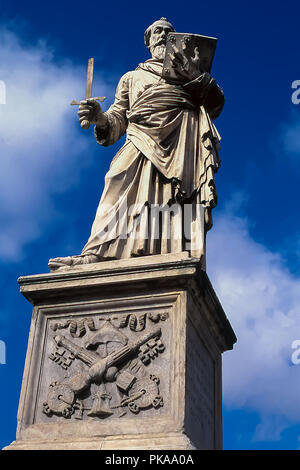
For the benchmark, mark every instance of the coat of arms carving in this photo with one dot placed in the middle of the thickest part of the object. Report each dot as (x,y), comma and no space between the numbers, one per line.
(106,374)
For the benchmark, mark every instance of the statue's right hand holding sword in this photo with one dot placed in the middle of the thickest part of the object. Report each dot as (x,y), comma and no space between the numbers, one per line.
(90,111)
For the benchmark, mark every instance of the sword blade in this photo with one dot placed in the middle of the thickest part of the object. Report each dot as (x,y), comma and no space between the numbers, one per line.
(89,78)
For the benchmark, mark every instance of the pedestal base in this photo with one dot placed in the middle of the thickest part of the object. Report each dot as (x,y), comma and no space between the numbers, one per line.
(124,355)
(167,441)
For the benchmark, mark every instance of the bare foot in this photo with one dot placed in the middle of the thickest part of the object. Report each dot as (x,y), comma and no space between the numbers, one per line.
(70,261)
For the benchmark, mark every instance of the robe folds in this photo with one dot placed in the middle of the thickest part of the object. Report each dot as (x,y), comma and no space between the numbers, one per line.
(160,187)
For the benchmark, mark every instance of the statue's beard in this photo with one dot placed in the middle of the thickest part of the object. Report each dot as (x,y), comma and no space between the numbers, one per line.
(158,52)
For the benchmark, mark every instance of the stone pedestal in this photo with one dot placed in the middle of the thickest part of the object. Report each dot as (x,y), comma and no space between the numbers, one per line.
(124,355)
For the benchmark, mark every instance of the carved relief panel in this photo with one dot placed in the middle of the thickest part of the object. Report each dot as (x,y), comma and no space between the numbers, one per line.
(104,366)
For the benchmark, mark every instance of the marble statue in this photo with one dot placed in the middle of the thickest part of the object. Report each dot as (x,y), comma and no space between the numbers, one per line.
(160,187)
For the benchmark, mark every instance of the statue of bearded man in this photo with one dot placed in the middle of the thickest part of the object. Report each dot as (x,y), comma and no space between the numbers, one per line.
(160,189)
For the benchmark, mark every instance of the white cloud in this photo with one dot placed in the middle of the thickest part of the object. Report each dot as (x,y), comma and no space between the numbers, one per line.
(262,301)
(41,147)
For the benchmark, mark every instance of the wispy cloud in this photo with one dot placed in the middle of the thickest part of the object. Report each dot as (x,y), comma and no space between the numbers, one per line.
(42,150)
(262,300)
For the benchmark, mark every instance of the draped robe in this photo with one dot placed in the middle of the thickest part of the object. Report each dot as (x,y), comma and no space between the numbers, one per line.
(168,161)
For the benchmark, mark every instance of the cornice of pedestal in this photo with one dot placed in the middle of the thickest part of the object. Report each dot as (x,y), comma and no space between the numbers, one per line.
(139,274)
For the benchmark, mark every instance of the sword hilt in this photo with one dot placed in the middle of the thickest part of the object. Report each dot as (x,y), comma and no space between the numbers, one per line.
(97,98)
(86,124)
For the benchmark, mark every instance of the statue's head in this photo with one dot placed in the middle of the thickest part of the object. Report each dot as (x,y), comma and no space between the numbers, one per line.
(155,37)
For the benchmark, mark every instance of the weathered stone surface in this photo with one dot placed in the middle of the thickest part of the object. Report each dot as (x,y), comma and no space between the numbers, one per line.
(123,355)
(166,441)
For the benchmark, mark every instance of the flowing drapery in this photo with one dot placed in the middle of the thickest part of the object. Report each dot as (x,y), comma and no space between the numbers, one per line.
(160,187)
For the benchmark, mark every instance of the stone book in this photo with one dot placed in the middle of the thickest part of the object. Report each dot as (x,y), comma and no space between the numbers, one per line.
(185,44)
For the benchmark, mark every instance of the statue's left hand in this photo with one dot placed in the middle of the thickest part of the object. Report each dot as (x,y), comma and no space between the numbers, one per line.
(187,69)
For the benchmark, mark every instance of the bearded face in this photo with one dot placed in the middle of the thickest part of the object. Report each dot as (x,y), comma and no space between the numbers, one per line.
(158,39)
(158,52)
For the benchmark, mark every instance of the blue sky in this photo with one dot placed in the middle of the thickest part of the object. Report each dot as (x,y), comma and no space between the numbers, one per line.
(52,174)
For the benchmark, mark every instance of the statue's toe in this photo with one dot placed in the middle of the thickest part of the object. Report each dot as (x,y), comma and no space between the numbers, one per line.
(56,263)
